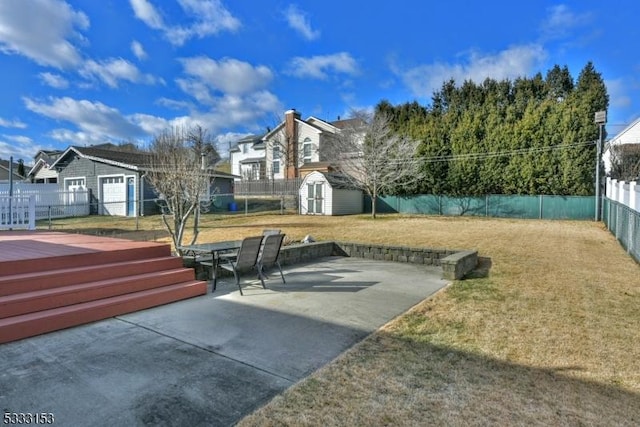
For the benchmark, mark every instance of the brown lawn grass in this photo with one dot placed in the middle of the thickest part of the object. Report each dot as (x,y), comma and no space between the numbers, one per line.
(550,336)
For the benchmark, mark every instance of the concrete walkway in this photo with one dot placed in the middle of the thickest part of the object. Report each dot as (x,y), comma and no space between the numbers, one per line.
(209,360)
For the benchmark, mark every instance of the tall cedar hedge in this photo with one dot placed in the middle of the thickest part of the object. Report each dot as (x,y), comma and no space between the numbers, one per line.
(527,136)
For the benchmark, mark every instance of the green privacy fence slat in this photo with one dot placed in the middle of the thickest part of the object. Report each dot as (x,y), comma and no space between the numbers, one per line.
(502,206)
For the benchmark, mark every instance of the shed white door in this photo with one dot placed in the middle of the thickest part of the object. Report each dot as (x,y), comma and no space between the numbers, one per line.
(114,196)
(315,199)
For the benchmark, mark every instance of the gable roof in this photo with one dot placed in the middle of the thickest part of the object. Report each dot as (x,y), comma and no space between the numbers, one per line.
(337,180)
(134,160)
(127,159)
(354,123)
(310,124)
(255,140)
(6,165)
(41,163)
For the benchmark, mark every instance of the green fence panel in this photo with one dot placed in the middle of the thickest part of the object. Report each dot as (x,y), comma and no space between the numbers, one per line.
(474,206)
(423,204)
(568,207)
(501,206)
(384,204)
(513,206)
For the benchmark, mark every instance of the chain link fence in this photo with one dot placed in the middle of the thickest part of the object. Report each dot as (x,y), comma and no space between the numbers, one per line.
(624,223)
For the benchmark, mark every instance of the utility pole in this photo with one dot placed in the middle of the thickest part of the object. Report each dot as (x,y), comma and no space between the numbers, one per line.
(600,119)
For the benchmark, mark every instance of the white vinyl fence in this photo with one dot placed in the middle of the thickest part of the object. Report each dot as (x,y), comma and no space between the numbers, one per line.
(50,202)
(625,193)
(17,212)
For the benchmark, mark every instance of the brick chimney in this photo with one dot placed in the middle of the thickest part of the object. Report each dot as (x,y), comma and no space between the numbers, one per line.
(291,135)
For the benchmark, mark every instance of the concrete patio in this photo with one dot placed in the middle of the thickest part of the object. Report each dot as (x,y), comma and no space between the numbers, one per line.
(213,359)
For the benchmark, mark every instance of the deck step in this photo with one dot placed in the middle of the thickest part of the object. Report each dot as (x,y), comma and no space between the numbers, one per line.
(89,257)
(45,299)
(41,280)
(31,324)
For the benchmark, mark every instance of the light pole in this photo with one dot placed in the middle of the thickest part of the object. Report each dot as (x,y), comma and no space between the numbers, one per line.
(600,119)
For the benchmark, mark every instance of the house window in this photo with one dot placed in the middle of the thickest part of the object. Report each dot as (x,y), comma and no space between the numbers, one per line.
(275,165)
(244,148)
(307,150)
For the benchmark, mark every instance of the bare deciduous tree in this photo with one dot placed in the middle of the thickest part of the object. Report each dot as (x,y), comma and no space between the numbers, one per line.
(625,162)
(178,167)
(373,158)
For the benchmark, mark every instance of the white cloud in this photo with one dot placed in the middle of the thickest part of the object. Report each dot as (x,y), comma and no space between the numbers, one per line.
(42,30)
(23,150)
(227,75)
(54,80)
(148,14)
(20,139)
(93,118)
(517,61)
(113,70)
(76,138)
(298,21)
(232,110)
(561,20)
(138,50)
(208,17)
(233,92)
(12,124)
(319,67)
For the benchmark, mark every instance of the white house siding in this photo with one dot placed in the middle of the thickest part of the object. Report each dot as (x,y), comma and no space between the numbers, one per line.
(630,135)
(304,131)
(238,156)
(46,175)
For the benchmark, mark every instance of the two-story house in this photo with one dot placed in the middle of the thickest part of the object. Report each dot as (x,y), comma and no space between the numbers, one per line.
(247,158)
(294,148)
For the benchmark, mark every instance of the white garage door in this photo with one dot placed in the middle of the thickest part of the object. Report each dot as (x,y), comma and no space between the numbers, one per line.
(114,196)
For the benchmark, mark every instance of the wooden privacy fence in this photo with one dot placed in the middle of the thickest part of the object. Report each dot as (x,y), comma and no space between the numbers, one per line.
(270,187)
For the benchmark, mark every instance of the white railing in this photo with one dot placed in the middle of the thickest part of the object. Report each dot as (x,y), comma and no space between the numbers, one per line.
(17,212)
(626,193)
(51,202)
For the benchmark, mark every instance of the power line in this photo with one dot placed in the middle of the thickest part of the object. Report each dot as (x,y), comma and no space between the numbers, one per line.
(491,154)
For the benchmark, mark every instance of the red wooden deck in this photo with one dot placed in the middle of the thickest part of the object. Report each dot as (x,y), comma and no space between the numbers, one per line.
(51,280)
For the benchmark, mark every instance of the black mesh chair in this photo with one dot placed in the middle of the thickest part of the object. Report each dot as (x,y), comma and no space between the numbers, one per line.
(269,256)
(246,259)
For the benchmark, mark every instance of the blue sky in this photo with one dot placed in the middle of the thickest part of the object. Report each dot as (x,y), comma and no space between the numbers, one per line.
(81,72)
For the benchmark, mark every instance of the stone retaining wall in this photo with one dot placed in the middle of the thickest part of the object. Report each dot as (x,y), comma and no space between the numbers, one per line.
(456,266)
(455,263)
(426,256)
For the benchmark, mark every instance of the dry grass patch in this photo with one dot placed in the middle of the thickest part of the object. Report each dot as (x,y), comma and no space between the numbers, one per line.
(549,337)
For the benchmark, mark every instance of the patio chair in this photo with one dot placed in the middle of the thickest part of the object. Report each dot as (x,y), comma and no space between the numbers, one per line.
(268,231)
(269,256)
(246,259)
